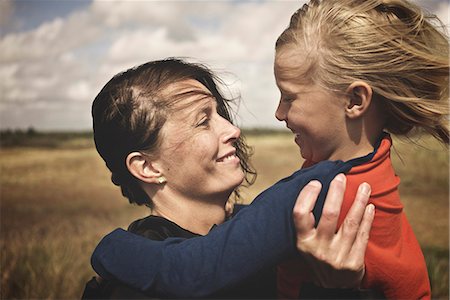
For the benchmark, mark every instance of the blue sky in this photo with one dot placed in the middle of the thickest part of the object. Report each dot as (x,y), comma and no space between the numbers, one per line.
(56,55)
(27,15)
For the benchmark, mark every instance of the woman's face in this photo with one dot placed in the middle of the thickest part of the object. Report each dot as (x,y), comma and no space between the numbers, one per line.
(197,154)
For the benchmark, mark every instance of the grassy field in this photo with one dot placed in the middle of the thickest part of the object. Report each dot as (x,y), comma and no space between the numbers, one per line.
(57,201)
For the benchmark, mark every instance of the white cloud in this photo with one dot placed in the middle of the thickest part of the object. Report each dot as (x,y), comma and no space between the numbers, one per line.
(80,91)
(155,44)
(7,74)
(48,40)
(70,59)
(58,67)
(443,13)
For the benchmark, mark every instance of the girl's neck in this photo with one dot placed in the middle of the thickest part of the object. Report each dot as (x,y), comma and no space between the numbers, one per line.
(362,135)
(353,149)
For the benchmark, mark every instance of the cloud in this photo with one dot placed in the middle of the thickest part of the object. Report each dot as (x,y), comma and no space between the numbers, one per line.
(49,75)
(443,13)
(49,40)
(79,90)
(68,60)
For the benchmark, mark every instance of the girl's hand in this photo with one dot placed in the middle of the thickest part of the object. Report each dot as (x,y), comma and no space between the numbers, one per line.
(335,259)
(229,207)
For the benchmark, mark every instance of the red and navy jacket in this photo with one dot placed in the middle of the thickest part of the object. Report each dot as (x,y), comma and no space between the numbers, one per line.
(395,265)
(257,237)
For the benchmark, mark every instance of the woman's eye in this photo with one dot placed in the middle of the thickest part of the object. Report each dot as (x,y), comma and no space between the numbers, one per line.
(203,122)
(287,99)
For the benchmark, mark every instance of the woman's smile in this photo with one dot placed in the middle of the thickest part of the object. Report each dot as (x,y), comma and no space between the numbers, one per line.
(229,158)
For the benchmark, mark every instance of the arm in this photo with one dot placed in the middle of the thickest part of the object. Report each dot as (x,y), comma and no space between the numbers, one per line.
(201,266)
(403,273)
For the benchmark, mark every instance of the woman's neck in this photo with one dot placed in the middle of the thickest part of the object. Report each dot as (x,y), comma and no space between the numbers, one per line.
(197,216)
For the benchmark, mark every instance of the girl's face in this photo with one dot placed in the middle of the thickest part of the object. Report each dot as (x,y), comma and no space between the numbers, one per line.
(315,115)
(197,152)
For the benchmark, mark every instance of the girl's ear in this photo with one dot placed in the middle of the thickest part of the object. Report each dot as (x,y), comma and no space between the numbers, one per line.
(143,168)
(359,98)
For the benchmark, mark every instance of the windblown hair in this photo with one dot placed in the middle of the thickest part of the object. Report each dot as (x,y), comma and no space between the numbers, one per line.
(131,109)
(391,44)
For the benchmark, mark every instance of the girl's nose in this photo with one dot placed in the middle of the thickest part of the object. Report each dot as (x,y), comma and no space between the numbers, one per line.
(280,113)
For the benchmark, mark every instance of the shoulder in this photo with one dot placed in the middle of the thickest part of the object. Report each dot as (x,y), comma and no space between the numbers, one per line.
(323,171)
(289,187)
(158,228)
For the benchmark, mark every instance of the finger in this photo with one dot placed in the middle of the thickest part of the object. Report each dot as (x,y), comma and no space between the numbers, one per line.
(229,207)
(352,221)
(302,212)
(332,208)
(359,246)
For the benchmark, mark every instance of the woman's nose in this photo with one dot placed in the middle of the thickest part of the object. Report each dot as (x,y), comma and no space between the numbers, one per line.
(231,132)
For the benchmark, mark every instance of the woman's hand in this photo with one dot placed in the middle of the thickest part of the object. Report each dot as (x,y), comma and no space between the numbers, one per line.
(335,259)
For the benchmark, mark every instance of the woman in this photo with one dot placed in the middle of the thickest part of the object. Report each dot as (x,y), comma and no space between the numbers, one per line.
(165,132)
(161,133)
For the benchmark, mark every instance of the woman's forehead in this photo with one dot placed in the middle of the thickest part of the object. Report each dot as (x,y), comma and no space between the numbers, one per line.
(186,87)
(188,96)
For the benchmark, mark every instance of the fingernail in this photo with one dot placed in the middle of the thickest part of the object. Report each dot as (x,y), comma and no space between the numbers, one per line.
(340,177)
(364,188)
(315,183)
(371,208)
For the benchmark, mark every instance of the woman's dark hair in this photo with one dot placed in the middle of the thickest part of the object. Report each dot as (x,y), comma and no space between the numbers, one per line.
(131,109)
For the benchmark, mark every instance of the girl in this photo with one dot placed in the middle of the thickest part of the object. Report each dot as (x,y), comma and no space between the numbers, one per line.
(349,70)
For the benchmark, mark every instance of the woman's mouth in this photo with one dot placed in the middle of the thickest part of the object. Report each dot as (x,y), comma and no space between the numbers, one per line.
(228,158)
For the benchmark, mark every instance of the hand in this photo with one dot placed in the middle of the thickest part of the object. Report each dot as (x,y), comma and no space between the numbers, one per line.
(229,208)
(335,259)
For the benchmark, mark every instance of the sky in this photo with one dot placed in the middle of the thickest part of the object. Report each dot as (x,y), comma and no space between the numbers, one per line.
(55,56)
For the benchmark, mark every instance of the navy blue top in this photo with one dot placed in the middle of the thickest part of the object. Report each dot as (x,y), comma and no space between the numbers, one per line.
(258,236)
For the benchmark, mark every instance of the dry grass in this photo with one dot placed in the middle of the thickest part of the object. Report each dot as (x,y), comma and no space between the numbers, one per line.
(55,206)
(57,203)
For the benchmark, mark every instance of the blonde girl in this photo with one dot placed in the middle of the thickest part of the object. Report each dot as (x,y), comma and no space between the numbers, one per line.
(349,73)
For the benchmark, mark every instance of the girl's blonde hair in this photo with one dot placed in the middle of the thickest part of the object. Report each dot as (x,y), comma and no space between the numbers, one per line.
(391,44)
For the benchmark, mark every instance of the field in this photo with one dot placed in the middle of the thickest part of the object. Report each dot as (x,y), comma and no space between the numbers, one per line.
(57,201)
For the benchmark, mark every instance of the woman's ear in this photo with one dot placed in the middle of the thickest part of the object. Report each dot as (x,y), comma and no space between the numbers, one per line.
(359,98)
(143,168)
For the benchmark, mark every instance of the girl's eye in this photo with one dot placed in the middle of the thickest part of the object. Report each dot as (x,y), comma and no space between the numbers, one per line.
(287,98)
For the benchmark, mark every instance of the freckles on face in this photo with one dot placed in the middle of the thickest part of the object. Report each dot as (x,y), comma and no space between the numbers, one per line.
(201,146)
(197,153)
(183,141)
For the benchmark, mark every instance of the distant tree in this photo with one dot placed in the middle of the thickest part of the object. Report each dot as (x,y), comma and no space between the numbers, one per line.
(31,131)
